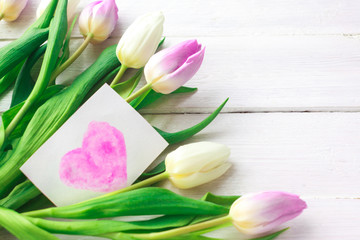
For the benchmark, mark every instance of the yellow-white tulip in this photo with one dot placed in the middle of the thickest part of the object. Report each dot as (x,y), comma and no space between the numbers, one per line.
(11,9)
(197,163)
(140,40)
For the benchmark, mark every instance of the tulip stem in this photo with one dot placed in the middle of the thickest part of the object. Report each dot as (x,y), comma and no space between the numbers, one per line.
(119,75)
(187,229)
(73,57)
(1,16)
(139,92)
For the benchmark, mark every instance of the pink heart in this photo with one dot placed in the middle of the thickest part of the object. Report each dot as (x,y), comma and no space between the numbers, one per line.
(100,165)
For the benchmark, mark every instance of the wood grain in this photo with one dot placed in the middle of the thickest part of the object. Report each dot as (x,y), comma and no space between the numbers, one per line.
(227,17)
(275,59)
(273,73)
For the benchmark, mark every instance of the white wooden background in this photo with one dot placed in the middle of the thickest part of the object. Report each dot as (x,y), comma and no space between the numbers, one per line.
(292,71)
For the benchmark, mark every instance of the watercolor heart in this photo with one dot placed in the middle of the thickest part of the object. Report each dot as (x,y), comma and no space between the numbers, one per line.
(100,164)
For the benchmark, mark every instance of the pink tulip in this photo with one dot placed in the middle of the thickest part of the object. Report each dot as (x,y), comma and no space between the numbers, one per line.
(171,68)
(99,18)
(261,213)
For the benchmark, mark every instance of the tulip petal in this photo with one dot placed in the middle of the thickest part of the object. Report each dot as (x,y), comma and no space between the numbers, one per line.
(11,9)
(199,178)
(260,213)
(195,157)
(184,73)
(140,40)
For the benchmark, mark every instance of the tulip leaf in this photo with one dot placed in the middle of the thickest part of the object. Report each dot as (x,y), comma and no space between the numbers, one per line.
(98,227)
(21,228)
(180,136)
(8,115)
(225,201)
(143,201)
(7,80)
(271,236)
(124,89)
(19,195)
(24,82)
(15,52)
(153,96)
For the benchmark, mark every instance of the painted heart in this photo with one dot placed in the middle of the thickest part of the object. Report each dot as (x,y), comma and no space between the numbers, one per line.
(100,164)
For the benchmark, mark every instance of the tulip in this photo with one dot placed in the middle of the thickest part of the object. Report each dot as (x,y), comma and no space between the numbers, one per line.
(96,22)
(171,68)
(11,9)
(140,40)
(71,8)
(260,213)
(197,163)
(98,19)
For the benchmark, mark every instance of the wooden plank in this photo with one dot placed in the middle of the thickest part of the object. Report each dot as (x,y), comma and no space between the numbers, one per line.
(273,73)
(315,155)
(312,154)
(230,17)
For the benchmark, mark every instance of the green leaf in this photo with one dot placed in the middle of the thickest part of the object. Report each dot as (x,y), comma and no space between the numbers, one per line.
(20,227)
(180,136)
(15,52)
(152,96)
(10,114)
(97,227)
(19,195)
(124,89)
(155,171)
(143,201)
(7,80)
(271,236)
(24,82)
(225,201)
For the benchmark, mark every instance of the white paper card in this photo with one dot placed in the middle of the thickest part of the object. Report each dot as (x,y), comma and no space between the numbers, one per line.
(104,146)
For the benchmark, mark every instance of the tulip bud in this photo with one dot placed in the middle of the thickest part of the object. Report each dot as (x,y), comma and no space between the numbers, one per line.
(140,40)
(71,8)
(260,213)
(197,163)
(171,68)
(11,9)
(99,18)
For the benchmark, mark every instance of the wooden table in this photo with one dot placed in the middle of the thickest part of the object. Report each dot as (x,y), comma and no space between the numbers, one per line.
(292,71)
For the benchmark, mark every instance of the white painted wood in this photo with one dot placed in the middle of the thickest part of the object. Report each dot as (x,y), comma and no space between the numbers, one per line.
(227,17)
(273,73)
(314,155)
(273,55)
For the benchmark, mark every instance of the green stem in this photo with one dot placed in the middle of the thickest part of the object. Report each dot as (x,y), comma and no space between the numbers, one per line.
(141,91)
(147,182)
(119,75)
(1,16)
(73,57)
(184,230)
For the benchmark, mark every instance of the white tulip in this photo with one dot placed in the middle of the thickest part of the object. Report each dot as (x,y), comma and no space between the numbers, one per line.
(11,9)
(140,40)
(197,163)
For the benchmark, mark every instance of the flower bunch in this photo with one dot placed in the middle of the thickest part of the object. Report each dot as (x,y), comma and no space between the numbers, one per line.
(39,108)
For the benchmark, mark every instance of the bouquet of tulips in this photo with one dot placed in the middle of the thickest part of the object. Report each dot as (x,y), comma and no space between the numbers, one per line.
(40,107)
